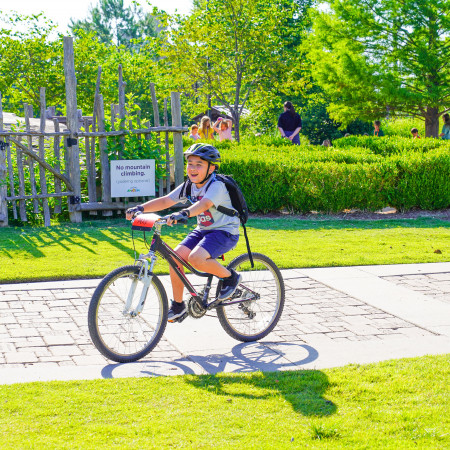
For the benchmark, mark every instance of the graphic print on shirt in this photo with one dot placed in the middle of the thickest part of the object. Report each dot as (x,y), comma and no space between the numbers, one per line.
(205,218)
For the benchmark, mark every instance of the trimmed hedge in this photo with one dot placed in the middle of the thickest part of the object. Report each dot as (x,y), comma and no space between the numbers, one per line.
(389,145)
(306,178)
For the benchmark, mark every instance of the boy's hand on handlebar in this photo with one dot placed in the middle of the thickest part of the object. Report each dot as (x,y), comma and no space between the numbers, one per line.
(131,212)
(178,217)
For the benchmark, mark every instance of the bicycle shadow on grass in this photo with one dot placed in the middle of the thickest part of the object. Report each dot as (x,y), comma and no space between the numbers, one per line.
(266,368)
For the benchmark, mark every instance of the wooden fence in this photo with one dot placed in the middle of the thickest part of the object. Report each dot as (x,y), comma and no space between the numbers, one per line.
(69,167)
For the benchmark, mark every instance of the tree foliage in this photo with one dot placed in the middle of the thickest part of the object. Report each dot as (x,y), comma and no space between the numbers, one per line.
(229,49)
(112,22)
(374,56)
(34,58)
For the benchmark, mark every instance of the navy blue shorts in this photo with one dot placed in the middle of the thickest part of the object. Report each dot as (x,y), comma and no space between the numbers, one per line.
(215,242)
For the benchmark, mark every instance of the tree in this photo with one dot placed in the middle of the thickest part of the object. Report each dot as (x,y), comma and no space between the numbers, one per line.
(114,23)
(377,56)
(34,58)
(228,49)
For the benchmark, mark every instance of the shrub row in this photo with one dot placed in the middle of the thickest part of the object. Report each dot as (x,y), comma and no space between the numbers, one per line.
(330,181)
(391,144)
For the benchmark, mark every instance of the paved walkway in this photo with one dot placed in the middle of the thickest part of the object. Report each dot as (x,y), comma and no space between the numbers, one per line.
(332,317)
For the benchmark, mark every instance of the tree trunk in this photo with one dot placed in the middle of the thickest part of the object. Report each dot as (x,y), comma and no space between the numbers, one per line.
(432,122)
(236,126)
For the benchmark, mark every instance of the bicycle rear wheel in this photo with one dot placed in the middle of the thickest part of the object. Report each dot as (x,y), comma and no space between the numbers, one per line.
(253,319)
(114,331)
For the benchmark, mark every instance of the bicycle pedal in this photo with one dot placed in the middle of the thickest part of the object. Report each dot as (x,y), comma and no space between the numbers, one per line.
(179,319)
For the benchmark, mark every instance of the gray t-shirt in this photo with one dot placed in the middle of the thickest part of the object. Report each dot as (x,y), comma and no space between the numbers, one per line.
(211,219)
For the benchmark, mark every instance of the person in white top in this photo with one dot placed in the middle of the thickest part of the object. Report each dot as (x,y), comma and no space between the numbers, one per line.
(194,133)
(223,128)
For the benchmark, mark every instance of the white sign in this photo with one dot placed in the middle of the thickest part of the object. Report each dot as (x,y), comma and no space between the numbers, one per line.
(133,178)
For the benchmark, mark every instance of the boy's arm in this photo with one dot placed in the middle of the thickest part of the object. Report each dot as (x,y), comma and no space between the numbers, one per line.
(157,204)
(193,210)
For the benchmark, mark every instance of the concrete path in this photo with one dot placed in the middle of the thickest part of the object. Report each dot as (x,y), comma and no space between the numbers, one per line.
(332,317)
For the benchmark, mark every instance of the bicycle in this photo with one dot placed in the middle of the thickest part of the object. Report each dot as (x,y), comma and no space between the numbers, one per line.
(128,310)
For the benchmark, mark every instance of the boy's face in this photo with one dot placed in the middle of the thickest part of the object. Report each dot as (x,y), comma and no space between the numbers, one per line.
(414,133)
(376,126)
(194,130)
(197,169)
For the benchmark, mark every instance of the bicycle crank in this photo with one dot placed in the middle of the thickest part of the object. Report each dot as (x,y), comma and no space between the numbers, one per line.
(195,310)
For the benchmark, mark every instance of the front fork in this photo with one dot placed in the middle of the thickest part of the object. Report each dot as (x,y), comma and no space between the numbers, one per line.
(145,275)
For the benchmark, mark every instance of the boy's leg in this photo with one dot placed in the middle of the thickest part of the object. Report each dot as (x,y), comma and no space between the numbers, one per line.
(201,260)
(177,284)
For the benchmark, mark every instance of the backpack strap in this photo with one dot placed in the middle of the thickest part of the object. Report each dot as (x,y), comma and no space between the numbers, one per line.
(186,190)
(248,245)
(227,211)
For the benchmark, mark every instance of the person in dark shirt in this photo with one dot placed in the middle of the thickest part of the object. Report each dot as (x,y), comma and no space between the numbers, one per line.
(290,124)
(377,130)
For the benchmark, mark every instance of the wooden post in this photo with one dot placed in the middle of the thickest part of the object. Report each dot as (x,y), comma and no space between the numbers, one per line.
(57,154)
(11,177)
(122,111)
(42,180)
(166,142)
(177,137)
(90,167)
(92,174)
(104,160)
(21,176)
(158,139)
(3,172)
(73,150)
(28,109)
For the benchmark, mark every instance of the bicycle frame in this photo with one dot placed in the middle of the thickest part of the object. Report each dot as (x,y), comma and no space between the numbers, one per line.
(159,246)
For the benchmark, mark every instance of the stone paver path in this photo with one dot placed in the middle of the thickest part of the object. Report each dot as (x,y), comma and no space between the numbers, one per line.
(331,317)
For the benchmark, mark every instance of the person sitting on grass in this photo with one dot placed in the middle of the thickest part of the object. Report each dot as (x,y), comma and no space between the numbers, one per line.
(415,133)
(215,234)
(377,131)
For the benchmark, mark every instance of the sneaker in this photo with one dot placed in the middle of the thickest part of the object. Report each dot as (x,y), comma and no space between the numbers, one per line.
(176,311)
(229,285)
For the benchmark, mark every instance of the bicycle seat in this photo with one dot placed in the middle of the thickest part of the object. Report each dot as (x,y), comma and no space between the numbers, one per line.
(144,222)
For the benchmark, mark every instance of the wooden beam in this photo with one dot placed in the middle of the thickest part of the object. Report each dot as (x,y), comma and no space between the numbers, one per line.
(43,163)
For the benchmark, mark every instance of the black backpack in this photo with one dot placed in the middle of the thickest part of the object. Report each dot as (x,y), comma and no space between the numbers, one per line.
(237,200)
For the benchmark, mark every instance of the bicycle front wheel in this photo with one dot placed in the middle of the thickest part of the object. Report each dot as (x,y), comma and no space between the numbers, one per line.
(255,318)
(116,330)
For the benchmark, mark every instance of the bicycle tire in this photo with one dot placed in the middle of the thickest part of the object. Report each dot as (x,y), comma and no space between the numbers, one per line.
(117,335)
(265,279)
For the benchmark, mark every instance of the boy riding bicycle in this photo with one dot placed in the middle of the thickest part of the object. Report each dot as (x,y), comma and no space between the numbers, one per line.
(215,234)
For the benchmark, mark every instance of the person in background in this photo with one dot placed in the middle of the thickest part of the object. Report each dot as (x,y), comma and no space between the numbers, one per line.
(223,128)
(326,143)
(290,124)
(377,131)
(347,134)
(445,134)
(205,131)
(415,133)
(194,133)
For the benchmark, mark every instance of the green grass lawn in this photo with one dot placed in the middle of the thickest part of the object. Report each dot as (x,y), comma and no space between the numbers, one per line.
(397,404)
(92,249)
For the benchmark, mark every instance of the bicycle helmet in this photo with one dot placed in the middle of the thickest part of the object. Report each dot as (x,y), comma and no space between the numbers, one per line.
(204,151)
